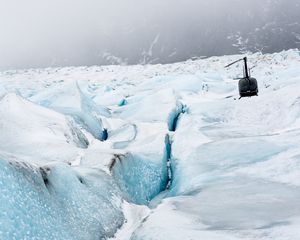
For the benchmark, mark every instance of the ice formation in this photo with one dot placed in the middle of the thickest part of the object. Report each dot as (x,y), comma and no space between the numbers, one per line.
(183,158)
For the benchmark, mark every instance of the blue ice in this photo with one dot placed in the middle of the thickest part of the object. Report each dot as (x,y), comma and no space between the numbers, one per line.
(57,202)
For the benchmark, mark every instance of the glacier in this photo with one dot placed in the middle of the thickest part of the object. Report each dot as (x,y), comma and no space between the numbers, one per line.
(151,152)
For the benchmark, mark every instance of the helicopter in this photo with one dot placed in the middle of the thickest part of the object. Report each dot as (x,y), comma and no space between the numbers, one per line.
(247,84)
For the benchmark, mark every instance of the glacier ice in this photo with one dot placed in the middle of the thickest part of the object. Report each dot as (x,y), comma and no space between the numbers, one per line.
(28,129)
(57,202)
(139,178)
(234,164)
(71,100)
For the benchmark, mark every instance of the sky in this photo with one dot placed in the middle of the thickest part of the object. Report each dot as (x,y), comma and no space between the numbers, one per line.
(43,33)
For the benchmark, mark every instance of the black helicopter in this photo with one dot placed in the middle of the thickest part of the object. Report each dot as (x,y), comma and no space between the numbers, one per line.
(247,84)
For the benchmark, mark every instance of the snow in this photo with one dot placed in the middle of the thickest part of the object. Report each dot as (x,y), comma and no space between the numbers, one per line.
(134,215)
(29,130)
(70,100)
(234,164)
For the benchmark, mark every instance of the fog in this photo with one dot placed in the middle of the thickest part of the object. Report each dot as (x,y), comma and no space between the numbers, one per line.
(42,33)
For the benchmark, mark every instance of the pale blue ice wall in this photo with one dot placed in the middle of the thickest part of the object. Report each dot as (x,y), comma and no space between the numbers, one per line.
(57,203)
(140,177)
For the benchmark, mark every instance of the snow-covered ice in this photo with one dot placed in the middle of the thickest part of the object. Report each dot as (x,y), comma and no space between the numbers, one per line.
(87,152)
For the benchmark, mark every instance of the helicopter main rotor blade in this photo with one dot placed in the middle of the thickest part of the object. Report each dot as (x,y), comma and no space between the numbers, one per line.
(234,62)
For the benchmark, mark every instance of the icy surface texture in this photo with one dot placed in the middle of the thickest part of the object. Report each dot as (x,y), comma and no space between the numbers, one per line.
(57,202)
(234,164)
(30,130)
(139,177)
(70,100)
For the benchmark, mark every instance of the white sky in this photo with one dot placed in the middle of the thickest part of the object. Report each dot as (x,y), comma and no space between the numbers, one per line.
(39,33)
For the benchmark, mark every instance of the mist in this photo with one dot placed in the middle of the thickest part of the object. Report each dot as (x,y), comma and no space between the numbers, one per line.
(50,33)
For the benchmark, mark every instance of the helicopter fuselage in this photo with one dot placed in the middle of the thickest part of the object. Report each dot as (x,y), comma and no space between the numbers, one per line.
(248,87)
